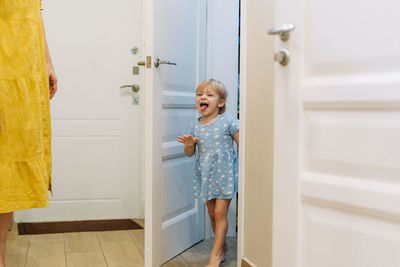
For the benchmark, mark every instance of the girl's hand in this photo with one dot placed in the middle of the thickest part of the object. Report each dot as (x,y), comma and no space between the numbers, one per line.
(188,140)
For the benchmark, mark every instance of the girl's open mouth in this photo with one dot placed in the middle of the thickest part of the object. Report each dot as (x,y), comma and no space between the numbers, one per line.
(203,106)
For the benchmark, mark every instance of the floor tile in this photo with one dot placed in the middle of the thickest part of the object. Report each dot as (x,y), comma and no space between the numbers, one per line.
(86,259)
(17,244)
(232,248)
(229,263)
(199,264)
(113,236)
(47,238)
(138,237)
(197,254)
(176,262)
(208,242)
(14,228)
(122,253)
(81,242)
(46,255)
(15,260)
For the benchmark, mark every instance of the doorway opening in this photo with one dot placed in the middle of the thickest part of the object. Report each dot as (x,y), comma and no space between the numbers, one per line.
(223,53)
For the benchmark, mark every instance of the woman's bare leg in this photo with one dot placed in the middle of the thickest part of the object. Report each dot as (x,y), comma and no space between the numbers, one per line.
(221,227)
(5,220)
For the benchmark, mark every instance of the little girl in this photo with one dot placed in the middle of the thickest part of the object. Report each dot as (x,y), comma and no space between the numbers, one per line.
(211,137)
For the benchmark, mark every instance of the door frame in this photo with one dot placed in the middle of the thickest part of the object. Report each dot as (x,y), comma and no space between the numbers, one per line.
(148,130)
(242,131)
(256,18)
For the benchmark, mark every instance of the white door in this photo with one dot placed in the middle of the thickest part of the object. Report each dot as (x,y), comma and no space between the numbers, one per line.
(96,126)
(174,31)
(337,128)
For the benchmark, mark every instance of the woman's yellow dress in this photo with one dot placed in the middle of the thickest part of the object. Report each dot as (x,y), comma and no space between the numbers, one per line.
(25,133)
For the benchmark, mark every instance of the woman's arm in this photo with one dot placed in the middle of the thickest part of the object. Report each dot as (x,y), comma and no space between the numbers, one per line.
(50,70)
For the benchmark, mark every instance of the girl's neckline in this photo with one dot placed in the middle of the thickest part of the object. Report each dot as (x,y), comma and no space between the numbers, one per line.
(219,116)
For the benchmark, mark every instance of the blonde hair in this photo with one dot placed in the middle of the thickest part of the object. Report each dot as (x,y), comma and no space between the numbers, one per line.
(219,88)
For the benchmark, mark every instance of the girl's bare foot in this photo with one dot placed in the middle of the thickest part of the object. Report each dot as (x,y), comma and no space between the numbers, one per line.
(215,261)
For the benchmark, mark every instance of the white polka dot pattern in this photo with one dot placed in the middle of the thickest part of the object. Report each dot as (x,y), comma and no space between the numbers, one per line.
(216,171)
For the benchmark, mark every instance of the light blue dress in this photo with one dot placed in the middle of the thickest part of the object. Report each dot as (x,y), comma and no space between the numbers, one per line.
(216,166)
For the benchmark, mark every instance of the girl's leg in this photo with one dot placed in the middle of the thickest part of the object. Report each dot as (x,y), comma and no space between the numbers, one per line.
(221,227)
(5,219)
(211,207)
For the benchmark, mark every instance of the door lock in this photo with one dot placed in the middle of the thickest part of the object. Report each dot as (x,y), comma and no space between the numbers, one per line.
(146,63)
(283,56)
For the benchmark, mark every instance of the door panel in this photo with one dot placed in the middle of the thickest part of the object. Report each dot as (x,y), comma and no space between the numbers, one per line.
(362,44)
(176,39)
(345,230)
(337,129)
(175,31)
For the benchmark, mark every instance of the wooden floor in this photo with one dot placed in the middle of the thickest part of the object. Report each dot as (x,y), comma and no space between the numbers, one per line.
(99,249)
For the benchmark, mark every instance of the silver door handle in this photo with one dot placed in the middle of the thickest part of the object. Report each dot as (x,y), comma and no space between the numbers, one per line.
(135,87)
(283,31)
(157,62)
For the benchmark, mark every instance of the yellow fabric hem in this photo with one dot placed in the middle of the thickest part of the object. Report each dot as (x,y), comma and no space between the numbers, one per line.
(24,185)
(25,206)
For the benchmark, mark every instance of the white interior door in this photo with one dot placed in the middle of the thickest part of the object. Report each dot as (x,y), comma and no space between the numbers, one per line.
(337,150)
(174,30)
(96,126)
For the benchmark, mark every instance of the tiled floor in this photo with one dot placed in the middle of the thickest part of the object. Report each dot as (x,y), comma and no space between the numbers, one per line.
(99,249)
(86,249)
(197,256)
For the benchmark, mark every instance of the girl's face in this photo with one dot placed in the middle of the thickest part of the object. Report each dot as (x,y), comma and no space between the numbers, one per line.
(208,102)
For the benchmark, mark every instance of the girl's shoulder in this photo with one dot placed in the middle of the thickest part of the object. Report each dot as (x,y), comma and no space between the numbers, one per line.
(229,123)
(191,127)
(226,118)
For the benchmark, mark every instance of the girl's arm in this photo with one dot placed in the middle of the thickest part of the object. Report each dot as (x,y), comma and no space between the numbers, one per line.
(236,137)
(190,150)
(190,144)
